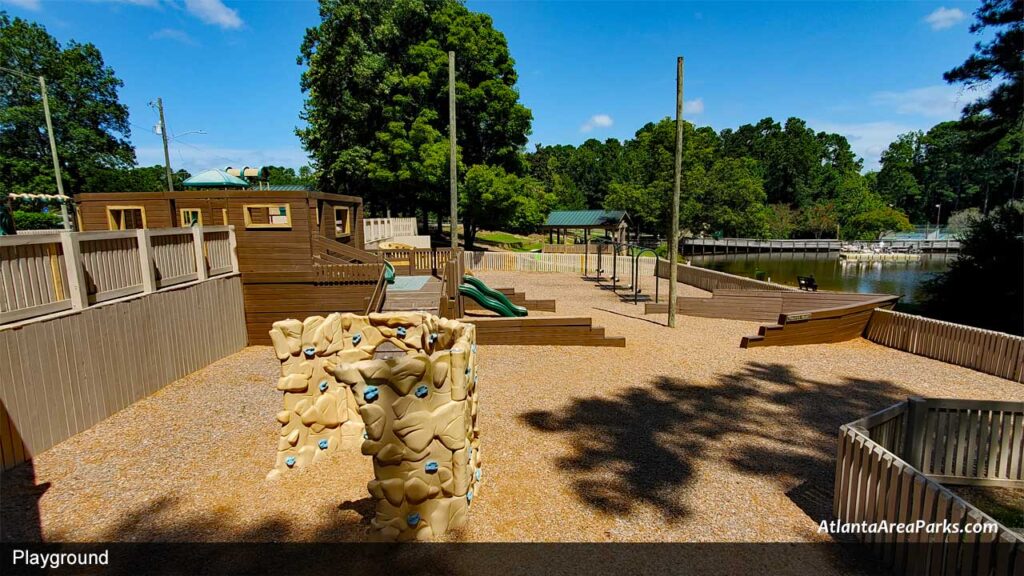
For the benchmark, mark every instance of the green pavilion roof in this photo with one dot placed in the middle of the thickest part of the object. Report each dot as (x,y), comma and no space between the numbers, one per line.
(585,218)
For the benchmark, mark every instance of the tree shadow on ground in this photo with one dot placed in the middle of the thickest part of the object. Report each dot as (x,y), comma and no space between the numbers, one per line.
(640,446)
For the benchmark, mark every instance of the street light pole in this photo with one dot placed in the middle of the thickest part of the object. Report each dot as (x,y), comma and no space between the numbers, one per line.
(53,152)
(938,219)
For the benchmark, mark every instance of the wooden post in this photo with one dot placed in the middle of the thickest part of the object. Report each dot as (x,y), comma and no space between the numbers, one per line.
(197,245)
(673,229)
(913,436)
(78,290)
(452,160)
(233,243)
(146,265)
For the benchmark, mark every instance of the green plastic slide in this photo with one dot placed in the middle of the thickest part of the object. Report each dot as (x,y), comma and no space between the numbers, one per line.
(389,272)
(489,298)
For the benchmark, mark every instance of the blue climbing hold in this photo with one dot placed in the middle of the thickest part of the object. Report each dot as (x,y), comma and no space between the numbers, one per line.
(413,519)
(478,474)
(323,385)
(473,348)
(421,391)
(401,331)
(433,337)
(322,444)
(290,461)
(467,370)
(430,467)
(309,351)
(469,497)
(356,338)
(470,453)
(365,435)
(371,393)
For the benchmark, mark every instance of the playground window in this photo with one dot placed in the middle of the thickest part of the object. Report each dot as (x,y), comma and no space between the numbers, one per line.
(126,217)
(267,215)
(342,221)
(190,216)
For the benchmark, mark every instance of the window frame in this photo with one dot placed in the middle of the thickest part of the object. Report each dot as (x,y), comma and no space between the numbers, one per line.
(110,216)
(183,222)
(348,221)
(249,224)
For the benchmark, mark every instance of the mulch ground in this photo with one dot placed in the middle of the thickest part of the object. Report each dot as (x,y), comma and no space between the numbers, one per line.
(680,436)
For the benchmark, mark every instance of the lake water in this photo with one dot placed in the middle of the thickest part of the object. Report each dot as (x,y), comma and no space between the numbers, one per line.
(831,273)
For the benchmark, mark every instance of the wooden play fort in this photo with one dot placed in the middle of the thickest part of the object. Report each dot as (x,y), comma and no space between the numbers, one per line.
(301,253)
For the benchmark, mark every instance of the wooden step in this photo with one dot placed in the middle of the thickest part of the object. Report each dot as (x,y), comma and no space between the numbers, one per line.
(542,331)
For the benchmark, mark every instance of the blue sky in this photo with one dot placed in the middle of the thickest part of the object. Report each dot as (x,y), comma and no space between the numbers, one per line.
(868,70)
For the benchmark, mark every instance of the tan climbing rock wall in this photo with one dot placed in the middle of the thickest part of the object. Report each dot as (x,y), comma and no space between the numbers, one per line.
(418,407)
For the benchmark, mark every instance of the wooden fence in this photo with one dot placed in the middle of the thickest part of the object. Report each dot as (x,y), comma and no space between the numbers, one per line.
(417,262)
(47,273)
(537,262)
(61,375)
(711,280)
(995,353)
(874,483)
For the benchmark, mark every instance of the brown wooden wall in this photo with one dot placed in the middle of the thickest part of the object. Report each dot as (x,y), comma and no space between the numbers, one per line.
(62,375)
(267,303)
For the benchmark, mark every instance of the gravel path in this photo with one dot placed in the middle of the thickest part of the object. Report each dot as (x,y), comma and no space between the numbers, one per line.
(680,436)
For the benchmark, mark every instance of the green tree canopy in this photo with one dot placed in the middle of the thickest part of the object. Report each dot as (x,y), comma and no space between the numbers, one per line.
(90,124)
(377,101)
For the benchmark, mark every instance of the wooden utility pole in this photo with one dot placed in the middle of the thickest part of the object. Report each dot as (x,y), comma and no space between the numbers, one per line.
(65,218)
(452,160)
(673,230)
(167,155)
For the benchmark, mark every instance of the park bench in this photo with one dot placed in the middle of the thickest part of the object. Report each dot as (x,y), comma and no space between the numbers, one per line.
(807,283)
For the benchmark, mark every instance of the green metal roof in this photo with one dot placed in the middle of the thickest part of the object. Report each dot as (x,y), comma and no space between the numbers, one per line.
(215,179)
(585,218)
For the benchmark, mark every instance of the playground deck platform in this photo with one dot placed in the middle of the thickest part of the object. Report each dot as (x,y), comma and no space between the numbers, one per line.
(678,436)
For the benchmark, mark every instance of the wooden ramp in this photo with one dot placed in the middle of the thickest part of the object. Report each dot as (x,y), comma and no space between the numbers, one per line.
(425,298)
(542,331)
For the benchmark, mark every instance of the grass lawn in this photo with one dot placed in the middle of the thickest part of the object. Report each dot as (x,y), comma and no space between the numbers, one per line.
(510,241)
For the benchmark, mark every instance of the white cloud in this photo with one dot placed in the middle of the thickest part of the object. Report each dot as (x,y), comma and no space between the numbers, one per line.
(867,139)
(597,121)
(214,12)
(174,34)
(26,4)
(695,106)
(941,101)
(198,158)
(943,18)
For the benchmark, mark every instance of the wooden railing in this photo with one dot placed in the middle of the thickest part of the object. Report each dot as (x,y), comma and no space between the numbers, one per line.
(47,273)
(377,229)
(711,280)
(450,303)
(878,480)
(742,245)
(376,301)
(336,252)
(995,353)
(418,262)
(346,273)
